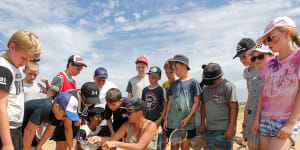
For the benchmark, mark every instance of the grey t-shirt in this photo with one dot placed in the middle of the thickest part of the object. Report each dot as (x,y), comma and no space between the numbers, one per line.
(249,75)
(183,94)
(136,86)
(216,102)
(57,83)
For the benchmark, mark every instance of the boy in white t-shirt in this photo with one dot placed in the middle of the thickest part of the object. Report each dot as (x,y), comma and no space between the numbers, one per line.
(32,89)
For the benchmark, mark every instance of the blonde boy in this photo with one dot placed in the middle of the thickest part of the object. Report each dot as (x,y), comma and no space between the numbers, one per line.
(23,47)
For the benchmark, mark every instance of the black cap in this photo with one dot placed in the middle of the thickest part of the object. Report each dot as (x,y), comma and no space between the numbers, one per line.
(95,111)
(135,104)
(211,73)
(76,60)
(155,71)
(182,59)
(243,46)
(91,93)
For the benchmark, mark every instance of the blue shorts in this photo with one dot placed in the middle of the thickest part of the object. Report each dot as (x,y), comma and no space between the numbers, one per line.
(271,127)
(220,142)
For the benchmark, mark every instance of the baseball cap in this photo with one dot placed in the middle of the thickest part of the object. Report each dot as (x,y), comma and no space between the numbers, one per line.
(155,71)
(260,48)
(142,59)
(276,22)
(69,103)
(3,47)
(182,59)
(135,104)
(91,92)
(243,46)
(211,73)
(101,72)
(95,111)
(77,60)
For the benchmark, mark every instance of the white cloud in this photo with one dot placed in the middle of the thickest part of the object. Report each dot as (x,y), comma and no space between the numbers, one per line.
(145,12)
(137,16)
(120,19)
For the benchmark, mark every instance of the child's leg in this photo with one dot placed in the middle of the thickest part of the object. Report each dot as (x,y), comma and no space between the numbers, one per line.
(175,146)
(252,145)
(280,144)
(186,144)
(264,142)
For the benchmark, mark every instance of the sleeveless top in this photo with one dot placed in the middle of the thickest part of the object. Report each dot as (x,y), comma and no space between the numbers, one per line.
(66,84)
(130,139)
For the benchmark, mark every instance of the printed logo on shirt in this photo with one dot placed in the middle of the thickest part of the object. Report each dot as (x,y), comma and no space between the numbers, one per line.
(151,101)
(3,80)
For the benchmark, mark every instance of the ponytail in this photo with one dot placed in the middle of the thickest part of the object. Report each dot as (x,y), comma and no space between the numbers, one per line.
(294,34)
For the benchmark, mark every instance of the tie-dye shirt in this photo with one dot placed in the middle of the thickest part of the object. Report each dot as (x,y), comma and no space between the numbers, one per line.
(281,86)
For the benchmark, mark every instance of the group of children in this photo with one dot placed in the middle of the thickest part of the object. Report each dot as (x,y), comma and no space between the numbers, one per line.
(271,117)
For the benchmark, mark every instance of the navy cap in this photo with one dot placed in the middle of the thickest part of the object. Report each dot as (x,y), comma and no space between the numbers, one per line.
(155,71)
(182,59)
(101,72)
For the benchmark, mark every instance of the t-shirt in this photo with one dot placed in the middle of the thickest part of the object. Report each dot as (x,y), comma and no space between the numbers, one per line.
(57,83)
(136,86)
(11,81)
(32,91)
(281,86)
(249,75)
(216,102)
(39,112)
(154,99)
(89,132)
(119,115)
(183,93)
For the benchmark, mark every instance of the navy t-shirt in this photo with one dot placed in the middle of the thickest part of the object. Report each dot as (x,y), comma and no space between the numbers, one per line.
(39,112)
(119,115)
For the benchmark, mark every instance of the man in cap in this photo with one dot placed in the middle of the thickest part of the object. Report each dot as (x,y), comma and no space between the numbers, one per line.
(219,107)
(48,111)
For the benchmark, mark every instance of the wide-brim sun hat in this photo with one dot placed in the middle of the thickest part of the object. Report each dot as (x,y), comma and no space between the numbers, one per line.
(276,22)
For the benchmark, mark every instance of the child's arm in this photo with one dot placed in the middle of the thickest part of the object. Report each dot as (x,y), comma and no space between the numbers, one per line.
(203,115)
(233,106)
(185,121)
(167,112)
(68,132)
(246,110)
(48,133)
(129,90)
(4,125)
(255,124)
(287,129)
(163,113)
(110,127)
(45,89)
(29,133)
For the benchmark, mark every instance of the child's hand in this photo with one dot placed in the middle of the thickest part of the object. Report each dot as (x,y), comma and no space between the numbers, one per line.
(202,128)
(184,122)
(229,133)
(285,131)
(94,139)
(255,127)
(109,144)
(165,124)
(44,79)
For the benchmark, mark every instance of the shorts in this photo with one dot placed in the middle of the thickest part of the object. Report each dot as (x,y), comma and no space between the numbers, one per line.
(59,133)
(190,133)
(17,138)
(220,142)
(248,132)
(104,132)
(270,128)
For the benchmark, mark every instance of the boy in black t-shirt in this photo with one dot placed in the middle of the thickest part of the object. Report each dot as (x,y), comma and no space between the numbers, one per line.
(47,111)
(114,102)
(155,97)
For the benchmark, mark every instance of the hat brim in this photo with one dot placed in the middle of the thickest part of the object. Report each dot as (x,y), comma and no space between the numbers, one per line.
(156,74)
(72,116)
(80,64)
(188,67)
(92,100)
(250,52)
(209,82)
(101,76)
(240,54)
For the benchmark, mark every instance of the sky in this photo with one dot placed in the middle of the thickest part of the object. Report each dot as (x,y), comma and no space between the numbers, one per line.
(113,33)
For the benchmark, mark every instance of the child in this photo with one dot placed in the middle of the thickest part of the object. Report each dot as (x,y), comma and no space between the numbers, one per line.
(23,47)
(154,97)
(137,83)
(184,97)
(277,115)
(63,81)
(33,89)
(259,56)
(219,107)
(47,111)
(113,107)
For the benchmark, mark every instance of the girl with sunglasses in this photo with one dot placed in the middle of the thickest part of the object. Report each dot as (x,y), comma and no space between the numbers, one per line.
(278,110)
(259,57)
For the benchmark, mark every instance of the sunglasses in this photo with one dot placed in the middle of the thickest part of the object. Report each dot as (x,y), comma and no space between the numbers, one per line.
(270,38)
(130,112)
(260,56)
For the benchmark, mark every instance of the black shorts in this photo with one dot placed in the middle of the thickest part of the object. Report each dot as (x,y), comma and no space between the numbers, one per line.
(59,133)
(17,138)
(190,133)
(104,131)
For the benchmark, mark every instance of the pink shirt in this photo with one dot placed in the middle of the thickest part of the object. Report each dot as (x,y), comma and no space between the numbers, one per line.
(281,86)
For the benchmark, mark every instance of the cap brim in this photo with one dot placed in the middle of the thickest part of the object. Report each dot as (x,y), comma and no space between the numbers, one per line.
(260,40)
(92,100)
(240,54)
(72,116)
(250,52)
(156,74)
(209,82)
(80,64)
(188,67)
(101,76)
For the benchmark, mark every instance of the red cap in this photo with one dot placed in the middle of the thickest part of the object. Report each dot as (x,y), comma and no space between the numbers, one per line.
(142,59)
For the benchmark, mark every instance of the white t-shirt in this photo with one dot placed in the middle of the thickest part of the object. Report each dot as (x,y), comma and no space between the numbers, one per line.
(15,107)
(32,91)
(89,132)
(108,85)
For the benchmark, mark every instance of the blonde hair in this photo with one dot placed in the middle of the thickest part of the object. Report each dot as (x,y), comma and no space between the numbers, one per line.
(31,64)
(167,64)
(294,34)
(27,42)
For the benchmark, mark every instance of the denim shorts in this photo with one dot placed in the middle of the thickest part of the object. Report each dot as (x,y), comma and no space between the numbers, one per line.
(219,141)
(270,128)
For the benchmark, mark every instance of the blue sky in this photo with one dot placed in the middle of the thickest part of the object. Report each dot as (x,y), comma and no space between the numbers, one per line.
(112,33)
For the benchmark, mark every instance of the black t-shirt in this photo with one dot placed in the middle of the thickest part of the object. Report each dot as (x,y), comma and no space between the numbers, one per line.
(5,78)
(119,115)
(39,112)
(154,99)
